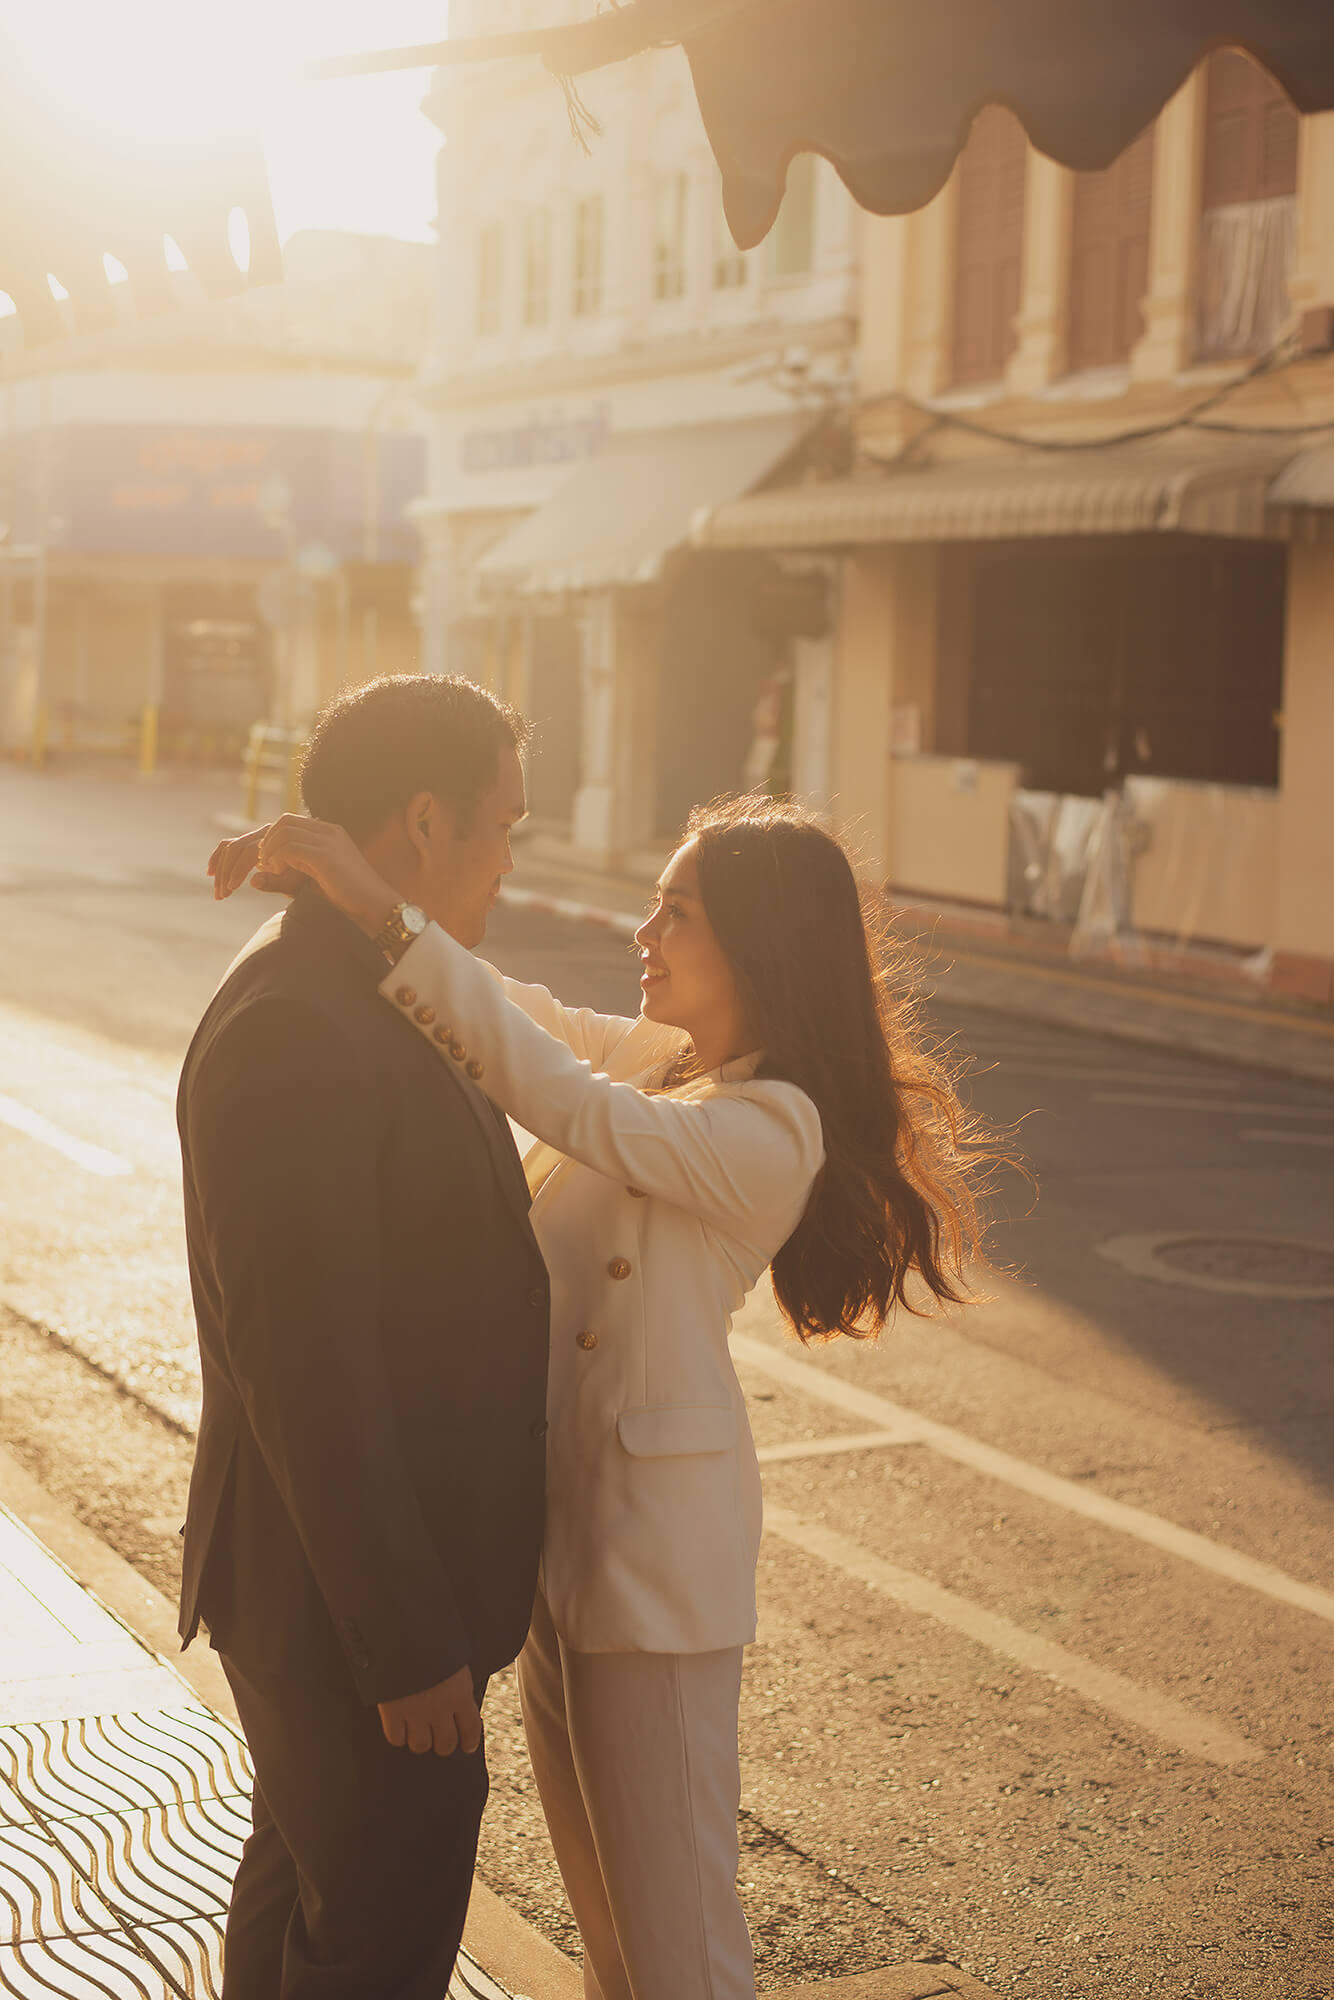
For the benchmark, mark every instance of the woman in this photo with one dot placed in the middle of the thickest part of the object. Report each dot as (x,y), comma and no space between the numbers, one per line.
(769,1107)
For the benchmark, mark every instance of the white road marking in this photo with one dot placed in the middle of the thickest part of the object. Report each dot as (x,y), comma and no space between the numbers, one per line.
(1142,1708)
(1293,1138)
(778,1454)
(93,1159)
(1156,1103)
(1067,1493)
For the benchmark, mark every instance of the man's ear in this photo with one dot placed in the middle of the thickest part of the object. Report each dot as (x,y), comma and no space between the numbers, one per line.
(427,820)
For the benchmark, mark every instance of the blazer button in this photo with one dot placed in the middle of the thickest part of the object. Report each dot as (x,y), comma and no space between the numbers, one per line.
(458,1051)
(636,1194)
(619,1267)
(586,1340)
(444,1036)
(537,1297)
(406,996)
(425,1015)
(474,1069)
(539,1430)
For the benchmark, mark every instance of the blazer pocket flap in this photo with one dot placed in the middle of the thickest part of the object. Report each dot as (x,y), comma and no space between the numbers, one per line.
(671,1430)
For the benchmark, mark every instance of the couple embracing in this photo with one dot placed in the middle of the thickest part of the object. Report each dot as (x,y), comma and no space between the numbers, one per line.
(459,1407)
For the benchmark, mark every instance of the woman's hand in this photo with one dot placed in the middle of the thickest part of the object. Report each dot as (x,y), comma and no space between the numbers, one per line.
(295,849)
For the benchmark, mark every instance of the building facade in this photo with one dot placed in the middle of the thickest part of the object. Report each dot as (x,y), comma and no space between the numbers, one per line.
(608,364)
(206,519)
(1084,650)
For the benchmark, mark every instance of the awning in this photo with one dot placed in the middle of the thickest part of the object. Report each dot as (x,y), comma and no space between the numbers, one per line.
(1200,487)
(1308,481)
(886,89)
(618,518)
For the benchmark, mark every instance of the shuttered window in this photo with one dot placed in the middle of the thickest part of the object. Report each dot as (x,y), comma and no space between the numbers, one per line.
(1248,228)
(989,245)
(1109,257)
(1250,143)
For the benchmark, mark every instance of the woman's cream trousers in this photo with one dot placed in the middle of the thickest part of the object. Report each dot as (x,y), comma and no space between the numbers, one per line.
(635,1756)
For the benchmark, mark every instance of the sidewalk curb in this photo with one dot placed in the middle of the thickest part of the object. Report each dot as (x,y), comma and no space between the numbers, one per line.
(510,1949)
(498,1938)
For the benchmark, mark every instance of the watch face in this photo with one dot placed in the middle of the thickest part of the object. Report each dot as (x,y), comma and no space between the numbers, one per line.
(412,919)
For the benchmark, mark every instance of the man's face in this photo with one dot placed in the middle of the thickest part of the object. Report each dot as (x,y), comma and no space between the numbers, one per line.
(461,873)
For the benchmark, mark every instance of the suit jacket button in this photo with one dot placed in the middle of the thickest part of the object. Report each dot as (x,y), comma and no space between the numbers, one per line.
(458,1051)
(444,1036)
(406,996)
(619,1267)
(636,1194)
(425,1015)
(537,1297)
(540,1430)
(586,1340)
(474,1069)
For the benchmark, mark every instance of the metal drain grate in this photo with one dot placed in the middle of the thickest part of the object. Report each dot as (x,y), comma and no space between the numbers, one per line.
(119,1837)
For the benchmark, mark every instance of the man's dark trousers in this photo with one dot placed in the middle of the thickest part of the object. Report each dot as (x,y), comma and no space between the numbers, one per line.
(366,1505)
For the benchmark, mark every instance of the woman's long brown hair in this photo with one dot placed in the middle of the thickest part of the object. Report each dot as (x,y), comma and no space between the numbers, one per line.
(825,997)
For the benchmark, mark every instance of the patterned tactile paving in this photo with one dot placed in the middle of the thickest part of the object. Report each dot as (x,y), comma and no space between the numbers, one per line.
(42,1893)
(116,1864)
(162,1862)
(106,1763)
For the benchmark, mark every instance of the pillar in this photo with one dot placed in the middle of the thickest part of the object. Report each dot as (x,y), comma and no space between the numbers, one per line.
(1303,935)
(599,821)
(1039,357)
(928,278)
(1167,344)
(436,591)
(1313,273)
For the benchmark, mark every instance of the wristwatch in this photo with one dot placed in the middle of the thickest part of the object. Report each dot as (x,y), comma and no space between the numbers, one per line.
(404,923)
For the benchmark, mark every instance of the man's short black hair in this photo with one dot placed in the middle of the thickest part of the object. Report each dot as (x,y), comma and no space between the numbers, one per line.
(375,747)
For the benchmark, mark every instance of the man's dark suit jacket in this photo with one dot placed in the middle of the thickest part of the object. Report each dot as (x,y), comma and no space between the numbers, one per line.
(373,1318)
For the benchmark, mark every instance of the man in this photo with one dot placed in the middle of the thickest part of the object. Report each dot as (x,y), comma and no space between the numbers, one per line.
(365,1510)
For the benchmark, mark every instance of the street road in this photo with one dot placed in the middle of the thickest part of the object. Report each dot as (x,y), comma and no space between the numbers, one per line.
(1043,1680)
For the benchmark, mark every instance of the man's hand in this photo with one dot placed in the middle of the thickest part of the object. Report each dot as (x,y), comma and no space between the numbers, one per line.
(444,1719)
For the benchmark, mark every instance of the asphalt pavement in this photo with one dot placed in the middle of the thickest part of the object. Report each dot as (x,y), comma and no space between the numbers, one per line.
(1042,1687)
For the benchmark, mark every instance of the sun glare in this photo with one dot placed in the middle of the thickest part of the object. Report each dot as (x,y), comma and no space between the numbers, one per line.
(355,155)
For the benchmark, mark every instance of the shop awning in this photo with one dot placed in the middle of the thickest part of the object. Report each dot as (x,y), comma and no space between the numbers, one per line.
(618,518)
(1200,487)
(886,89)
(1307,481)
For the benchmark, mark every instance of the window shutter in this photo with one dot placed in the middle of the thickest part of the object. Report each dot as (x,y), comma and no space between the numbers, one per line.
(989,245)
(1250,141)
(1109,257)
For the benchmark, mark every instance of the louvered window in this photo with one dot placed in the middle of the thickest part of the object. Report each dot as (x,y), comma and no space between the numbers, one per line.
(1109,257)
(989,245)
(1248,228)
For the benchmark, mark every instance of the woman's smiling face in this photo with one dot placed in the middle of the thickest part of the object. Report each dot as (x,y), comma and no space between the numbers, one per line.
(686,979)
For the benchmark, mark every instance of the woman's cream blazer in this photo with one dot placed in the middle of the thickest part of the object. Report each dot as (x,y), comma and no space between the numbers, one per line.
(660,1218)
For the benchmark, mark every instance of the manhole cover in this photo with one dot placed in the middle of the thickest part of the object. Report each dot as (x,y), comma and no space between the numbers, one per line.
(1262,1267)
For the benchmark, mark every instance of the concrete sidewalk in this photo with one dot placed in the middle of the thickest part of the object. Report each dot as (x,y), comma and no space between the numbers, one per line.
(124,1798)
(971,963)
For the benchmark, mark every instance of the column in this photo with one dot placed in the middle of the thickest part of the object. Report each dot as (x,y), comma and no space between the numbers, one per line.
(928,275)
(1313,274)
(1303,934)
(599,828)
(863,697)
(1044,300)
(435,526)
(1167,344)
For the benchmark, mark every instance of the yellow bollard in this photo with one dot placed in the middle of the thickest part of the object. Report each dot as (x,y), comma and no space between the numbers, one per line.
(148,742)
(39,728)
